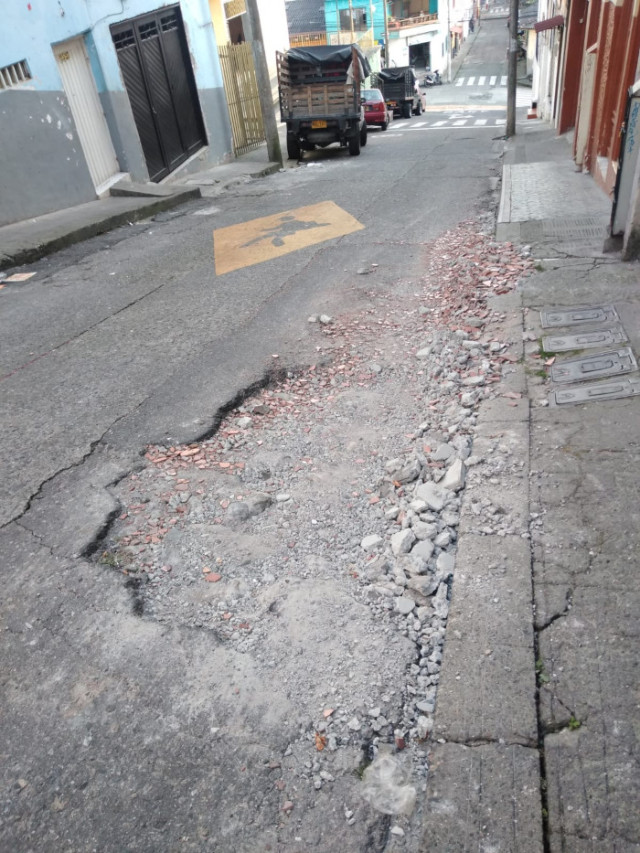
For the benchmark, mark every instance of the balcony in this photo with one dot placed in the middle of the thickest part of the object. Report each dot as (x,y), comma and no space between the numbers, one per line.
(307,39)
(364,38)
(396,24)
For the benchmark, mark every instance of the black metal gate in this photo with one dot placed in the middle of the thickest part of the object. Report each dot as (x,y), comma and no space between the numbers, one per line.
(154,60)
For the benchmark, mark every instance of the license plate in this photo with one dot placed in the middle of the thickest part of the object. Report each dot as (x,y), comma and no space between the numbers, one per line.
(318,123)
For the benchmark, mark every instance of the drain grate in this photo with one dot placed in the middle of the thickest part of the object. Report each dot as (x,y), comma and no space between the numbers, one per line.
(585,339)
(578,315)
(594,366)
(581,228)
(613,390)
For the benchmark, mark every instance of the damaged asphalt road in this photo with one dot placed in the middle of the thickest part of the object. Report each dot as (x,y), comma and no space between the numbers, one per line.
(145,706)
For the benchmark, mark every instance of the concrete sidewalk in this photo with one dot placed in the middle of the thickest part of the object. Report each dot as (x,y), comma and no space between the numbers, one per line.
(27,241)
(538,717)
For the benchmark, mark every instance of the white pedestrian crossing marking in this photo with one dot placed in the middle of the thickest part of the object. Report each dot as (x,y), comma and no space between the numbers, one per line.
(419,124)
(485,80)
(460,123)
(499,121)
(480,121)
(438,123)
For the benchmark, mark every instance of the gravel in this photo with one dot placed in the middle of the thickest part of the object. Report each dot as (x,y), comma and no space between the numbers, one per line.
(314,535)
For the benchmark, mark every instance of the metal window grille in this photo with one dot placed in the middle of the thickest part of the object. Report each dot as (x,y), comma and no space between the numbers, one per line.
(148,31)
(169,22)
(124,39)
(15,74)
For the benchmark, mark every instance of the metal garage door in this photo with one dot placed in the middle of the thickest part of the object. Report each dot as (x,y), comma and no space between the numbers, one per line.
(154,60)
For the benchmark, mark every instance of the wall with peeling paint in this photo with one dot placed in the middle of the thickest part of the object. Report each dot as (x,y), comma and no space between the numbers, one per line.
(44,167)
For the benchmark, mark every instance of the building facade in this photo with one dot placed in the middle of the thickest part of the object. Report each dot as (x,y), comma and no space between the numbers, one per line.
(232,25)
(91,90)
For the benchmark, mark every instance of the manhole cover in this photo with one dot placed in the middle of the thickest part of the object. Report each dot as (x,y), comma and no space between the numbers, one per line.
(578,315)
(620,388)
(585,339)
(594,366)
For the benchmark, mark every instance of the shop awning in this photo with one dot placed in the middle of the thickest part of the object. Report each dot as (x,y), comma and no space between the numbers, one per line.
(456,29)
(549,23)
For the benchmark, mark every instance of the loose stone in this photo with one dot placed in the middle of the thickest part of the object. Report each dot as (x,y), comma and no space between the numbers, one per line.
(455,477)
(402,541)
(404,605)
(370,543)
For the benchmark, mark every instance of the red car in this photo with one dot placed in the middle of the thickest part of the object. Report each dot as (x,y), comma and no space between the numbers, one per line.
(375,109)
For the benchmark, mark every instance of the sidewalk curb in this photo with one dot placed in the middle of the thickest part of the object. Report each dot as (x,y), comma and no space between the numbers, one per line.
(98,226)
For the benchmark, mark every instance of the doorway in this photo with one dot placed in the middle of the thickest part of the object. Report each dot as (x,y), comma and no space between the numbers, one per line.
(154,60)
(86,109)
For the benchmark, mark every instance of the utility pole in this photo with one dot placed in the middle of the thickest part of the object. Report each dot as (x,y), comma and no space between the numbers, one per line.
(351,20)
(512,69)
(264,83)
(386,34)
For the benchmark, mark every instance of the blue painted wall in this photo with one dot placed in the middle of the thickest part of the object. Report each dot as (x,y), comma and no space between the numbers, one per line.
(332,8)
(43,165)
(30,27)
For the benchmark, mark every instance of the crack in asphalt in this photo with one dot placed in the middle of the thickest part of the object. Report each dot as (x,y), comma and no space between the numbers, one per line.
(83,333)
(77,464)
(561,615)
(474,742)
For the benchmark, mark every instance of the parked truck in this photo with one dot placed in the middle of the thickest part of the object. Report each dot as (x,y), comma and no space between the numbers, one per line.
(401,90)
(320,100)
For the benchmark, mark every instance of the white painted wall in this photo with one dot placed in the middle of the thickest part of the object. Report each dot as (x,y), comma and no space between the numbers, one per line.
(275,35)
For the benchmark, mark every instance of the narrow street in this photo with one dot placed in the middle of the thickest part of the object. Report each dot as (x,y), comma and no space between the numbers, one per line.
(234,467)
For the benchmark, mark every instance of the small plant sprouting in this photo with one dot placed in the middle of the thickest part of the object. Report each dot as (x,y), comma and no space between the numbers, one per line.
(573,723)
(543,678)
(545,354)
(109,559)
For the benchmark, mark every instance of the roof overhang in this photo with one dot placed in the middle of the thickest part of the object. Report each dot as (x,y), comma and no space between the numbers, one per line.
(549,23)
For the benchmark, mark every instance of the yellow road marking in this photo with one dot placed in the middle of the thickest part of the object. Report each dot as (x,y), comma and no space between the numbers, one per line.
(269,237)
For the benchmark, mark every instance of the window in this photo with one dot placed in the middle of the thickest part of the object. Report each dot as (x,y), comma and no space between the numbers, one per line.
(15,74)
(359,17)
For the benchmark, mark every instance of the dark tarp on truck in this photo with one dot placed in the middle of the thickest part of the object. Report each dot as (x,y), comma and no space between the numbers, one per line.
(319,91)
(400,89)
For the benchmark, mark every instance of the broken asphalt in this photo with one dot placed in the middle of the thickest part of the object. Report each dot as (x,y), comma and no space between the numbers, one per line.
(535,745)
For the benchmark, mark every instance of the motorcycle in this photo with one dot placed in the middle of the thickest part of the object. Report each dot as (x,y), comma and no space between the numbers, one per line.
(432,78)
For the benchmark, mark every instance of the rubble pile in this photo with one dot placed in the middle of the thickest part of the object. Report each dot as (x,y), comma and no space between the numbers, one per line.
(316,531)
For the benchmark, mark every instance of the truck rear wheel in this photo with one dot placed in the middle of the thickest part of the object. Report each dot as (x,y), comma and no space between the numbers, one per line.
(418,111)
(406,109)
(354,144)
(293,148)
(363,136)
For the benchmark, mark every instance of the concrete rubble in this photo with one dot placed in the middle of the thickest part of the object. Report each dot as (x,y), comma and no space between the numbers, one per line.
(413,582)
